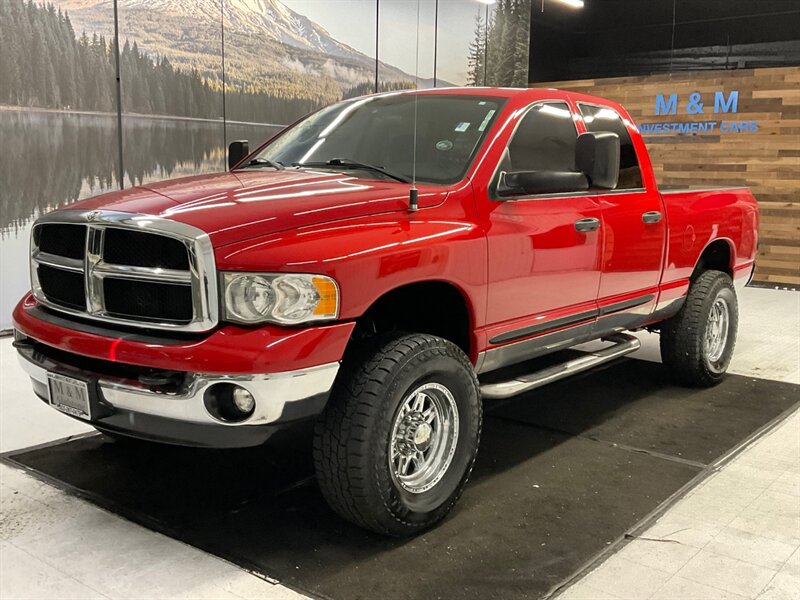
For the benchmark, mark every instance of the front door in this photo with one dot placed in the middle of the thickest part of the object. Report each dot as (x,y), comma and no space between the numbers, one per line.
(544,251)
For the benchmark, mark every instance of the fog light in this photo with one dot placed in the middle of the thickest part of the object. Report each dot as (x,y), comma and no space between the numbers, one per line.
(243,400)
(229,402)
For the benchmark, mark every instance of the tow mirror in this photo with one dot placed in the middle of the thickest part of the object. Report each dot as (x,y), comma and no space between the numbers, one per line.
(237,151)
(597,157)
(541,182)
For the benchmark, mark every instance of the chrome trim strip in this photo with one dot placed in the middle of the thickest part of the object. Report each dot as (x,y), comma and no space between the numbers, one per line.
(104,269)
(201,275)
(58,262)
(623,344)
(95,298)
(272,391)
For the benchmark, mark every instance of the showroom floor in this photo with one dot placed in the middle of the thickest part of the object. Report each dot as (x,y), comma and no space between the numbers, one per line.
(737,535)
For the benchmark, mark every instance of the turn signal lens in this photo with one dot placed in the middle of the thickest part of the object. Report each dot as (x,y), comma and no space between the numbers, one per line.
(328,305)
(283,298)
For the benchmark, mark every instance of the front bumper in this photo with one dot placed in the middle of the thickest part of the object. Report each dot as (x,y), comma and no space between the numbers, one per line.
(179,415)
(227,350)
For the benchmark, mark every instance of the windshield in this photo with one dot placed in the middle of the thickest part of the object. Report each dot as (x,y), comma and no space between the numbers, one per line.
(378,131)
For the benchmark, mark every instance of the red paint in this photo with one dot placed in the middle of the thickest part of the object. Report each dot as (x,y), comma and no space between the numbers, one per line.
(228,349)
(516,263)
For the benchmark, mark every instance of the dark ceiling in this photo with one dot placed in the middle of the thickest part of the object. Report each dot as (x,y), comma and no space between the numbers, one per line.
(625,37)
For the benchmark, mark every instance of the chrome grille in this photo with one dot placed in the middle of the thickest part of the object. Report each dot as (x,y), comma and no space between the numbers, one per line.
(125,268)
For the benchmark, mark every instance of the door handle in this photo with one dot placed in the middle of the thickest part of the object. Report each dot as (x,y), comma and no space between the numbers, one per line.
(652,216)
(590,224)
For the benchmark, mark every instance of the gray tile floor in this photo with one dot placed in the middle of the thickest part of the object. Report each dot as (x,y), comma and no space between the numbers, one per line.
(736,536)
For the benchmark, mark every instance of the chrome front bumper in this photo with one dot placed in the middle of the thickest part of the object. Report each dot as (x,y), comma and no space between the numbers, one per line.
(279,397)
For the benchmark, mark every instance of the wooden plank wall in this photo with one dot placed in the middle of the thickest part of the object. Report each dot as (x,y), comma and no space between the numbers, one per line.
(767,161)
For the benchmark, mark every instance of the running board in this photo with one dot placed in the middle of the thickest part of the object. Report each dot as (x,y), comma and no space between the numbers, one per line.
(623,344)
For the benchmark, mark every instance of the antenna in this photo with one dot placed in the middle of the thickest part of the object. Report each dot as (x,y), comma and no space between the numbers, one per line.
(413,193)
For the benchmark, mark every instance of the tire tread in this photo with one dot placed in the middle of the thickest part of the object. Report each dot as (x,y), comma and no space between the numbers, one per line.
(341,436)
(682,336)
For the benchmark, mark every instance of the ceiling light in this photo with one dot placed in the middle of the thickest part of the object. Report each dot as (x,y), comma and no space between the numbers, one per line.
(572,3)
(488,1)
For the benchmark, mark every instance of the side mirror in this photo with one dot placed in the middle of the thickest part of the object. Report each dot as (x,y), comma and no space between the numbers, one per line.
(541,182)
(237,151)
(597,156)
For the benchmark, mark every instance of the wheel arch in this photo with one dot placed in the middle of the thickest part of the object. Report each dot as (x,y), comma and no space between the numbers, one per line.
(719,255)
(434,306)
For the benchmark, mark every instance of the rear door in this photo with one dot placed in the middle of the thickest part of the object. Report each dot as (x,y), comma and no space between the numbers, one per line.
(634,230)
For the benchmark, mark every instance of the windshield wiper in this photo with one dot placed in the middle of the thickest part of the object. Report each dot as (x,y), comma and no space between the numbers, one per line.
(263,162)
(345,163)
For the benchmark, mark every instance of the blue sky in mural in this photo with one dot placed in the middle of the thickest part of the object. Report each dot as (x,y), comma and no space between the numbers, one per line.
(352,22)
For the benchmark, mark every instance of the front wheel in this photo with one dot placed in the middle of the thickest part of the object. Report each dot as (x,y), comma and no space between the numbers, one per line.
(396,444)
(697,343)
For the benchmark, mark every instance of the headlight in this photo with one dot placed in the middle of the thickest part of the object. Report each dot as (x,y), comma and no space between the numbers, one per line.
(281,298)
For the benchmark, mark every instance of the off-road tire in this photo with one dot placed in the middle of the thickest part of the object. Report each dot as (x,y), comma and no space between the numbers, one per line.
(353,436)
(682,336)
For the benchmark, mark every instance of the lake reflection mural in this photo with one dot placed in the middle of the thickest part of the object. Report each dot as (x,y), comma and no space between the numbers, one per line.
(281,60)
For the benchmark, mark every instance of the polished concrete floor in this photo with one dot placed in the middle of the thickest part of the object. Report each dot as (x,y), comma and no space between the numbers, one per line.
(737,535)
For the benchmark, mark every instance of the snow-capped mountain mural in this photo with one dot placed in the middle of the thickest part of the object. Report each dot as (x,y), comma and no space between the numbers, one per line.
(265,41)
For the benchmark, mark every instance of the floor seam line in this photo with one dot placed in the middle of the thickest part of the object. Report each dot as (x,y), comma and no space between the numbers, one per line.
(624,447)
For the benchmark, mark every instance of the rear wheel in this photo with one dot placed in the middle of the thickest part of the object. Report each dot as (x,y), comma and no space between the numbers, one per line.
(396,444)
(697,343)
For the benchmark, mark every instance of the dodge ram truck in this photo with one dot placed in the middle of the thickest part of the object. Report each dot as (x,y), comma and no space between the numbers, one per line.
(373,268)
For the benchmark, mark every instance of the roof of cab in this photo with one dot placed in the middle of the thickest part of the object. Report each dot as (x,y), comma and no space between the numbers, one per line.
(520,95)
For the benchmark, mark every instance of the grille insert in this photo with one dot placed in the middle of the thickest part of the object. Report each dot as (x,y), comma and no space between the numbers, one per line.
(141,249)
(148,300)
(62,287)
(61,239)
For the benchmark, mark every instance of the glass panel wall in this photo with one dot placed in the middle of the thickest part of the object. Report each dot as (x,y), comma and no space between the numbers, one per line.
(278,59)
(460,43)
(57,124)
(171,74)
(402,26)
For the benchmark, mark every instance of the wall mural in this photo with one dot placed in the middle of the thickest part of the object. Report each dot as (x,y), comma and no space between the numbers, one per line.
(278,59)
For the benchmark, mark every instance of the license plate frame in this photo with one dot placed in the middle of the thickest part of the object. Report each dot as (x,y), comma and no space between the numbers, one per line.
(69,395)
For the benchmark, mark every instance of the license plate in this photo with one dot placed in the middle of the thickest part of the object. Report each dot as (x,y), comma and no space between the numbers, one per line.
(69,395)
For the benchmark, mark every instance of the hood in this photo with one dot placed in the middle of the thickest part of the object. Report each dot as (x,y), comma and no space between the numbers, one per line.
(232,207)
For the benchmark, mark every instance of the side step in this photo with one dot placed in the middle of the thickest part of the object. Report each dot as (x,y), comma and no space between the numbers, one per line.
(623,344)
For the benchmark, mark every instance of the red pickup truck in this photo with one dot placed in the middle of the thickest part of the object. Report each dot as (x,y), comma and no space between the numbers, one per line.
(366,268)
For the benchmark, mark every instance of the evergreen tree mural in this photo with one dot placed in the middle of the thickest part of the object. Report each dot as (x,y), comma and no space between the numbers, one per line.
(500,48)
(475,60)
(43,64)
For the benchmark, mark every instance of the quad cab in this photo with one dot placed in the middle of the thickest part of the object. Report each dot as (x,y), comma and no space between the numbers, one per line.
(310,282)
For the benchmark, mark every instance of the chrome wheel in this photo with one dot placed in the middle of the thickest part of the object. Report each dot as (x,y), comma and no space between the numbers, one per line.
(423,439)
(716,337)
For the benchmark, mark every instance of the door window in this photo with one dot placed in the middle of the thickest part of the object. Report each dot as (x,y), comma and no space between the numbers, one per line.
(600,118)
(544,141)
